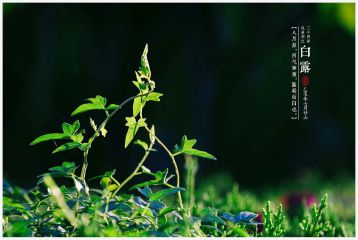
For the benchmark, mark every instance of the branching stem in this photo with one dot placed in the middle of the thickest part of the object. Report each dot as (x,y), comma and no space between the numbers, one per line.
(134,173)
(174,163)
(103,124)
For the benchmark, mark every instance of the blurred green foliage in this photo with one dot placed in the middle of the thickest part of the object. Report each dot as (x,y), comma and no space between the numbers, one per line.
(344,14)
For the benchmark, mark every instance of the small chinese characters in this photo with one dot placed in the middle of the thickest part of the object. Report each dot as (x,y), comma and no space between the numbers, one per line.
(300,71)
(294,71)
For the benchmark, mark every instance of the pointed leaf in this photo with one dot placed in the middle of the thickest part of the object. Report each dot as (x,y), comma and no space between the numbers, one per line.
(112,107)
(87,107)
(164,193)
(103,132)
(166,210)
(65,168)
(67,146)
(143,144)
(144,68)
(77,138)
(153,96)
(160,178)
(50,136)
(187,148)
(138,104)
(199,153)
(145,169)
(93,124)
(133,127)
(146,191)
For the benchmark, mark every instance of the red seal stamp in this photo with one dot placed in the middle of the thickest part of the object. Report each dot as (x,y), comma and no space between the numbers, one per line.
(305,81)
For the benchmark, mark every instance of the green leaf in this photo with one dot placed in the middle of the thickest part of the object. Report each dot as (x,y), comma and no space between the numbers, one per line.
(70,129)
(97,103)
(87,107)
(198,153)
(145,169)
(110,173)
(50,136)
(164,193)
(84,146)
(112,107)
(77,138)
(146,191)
(93,124)
(144,69)
(67,128)
(143,144)
(112,187)
(142,86)
(138,104)
(67,146)
(187,148)
(103,131)
(166,210)
(19,228)
(98,100)
(65,168)
(153,96)
(133,127)
(160,178)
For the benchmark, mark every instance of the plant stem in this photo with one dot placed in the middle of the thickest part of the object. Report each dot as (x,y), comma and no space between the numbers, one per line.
(145,210)
(134,173)
(103,124)
(177,153)
(174,163)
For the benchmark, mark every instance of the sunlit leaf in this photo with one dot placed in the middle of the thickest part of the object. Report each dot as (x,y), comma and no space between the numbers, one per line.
(70,129)
(50,136)
(77,138)
(186,147)
(143,144)
(160,178)
(144,69)
(98,100)
(145,169)
(133,127)
(164,193)
(112,107)
(199,153)
(167,210)
(138,104)
(86,107)
(67,146)
(103,132)
(153,96)
(93,124)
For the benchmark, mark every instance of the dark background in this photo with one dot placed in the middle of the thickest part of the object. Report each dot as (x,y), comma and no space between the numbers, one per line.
(224,70)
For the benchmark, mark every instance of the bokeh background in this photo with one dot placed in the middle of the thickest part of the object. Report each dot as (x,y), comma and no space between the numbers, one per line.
(224,70)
